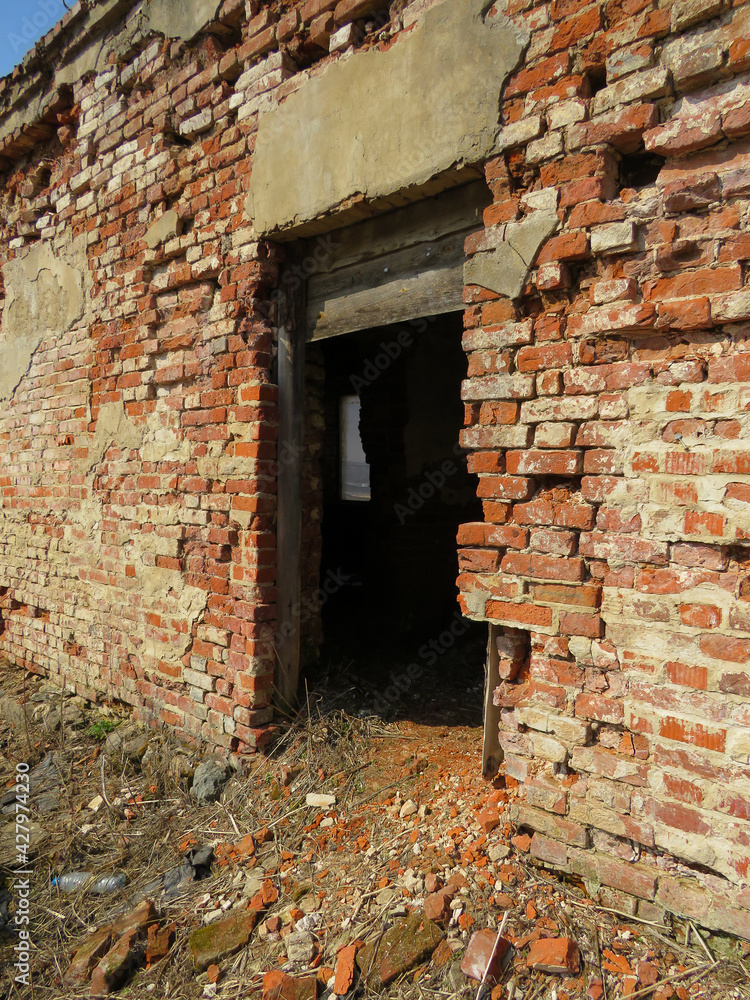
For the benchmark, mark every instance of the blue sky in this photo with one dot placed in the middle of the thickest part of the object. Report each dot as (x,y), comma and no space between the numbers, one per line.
(22,23)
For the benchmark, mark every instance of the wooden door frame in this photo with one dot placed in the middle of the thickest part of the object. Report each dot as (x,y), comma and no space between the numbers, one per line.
(290,457)
(294,321)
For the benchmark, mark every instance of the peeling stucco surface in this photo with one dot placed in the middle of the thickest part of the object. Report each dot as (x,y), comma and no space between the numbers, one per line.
(380,122)
(504,269)
(113,427)
(178,18)
(46,294)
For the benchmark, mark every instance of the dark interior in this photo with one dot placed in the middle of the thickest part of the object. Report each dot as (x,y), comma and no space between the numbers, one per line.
(395,556)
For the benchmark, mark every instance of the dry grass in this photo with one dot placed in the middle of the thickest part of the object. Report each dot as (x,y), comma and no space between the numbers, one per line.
(326,748)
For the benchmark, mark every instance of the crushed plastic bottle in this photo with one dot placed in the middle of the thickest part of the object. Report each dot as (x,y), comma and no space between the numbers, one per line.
(74,881)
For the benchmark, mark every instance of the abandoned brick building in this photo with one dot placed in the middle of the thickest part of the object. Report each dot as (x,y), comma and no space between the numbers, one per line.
(248,252)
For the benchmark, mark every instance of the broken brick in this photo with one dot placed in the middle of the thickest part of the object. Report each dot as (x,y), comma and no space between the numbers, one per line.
(556,955)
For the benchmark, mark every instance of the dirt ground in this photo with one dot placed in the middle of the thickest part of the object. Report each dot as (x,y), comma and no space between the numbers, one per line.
(412,814)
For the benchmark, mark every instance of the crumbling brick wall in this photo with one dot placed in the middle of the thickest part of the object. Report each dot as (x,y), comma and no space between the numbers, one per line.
(607,407)
(606,403)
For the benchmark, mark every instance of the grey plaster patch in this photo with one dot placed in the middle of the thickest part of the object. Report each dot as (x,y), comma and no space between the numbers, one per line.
(165,228)
(380,122)
(45,295)
(505,269)
(178,18)
(113,427)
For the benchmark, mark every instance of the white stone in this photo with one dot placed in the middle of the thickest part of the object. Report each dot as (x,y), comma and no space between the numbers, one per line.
(319,800)
(520,132)
(197,124)
(343,38)
(613,238)
(546,148)
(545,199)
(566,113)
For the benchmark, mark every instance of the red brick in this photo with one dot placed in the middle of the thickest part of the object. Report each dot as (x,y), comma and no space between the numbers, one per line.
(686,675)
(522,614)
(504,487)
(735,368)
(567,33)
(543,567)
(622,128)
(314,8)
(588,595)
(534,359)
(599,707)
(579,624)
(478,561)
(569,246)
(544,463)
(544,72)
(479,534)
(554,955)
(351,10)
(726,648)
(684,732)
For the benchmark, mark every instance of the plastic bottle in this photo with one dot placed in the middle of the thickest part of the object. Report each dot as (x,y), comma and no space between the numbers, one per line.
(73,881)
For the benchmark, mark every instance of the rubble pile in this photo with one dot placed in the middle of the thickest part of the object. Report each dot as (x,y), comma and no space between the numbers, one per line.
(359,859)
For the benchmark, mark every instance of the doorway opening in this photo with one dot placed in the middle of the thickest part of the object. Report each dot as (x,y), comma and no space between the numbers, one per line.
(395,488)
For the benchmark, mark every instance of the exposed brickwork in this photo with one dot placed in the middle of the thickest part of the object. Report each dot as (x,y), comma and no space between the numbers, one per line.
(627,724)
(607,411)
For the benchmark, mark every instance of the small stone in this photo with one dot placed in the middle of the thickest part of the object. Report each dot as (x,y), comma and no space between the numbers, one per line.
(96,803)
(556,955)
(253,885)
(437,906)
(320,801)
(209,945)
(409,808)
(499,852)
(432,883)
(300,948)
(209,780)
(647,973)
(166,227)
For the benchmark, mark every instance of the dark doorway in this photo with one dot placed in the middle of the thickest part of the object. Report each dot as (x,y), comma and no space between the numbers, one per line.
(395,490)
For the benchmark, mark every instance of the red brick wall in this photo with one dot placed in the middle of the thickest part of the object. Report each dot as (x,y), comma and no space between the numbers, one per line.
(620,530)
(607,409)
